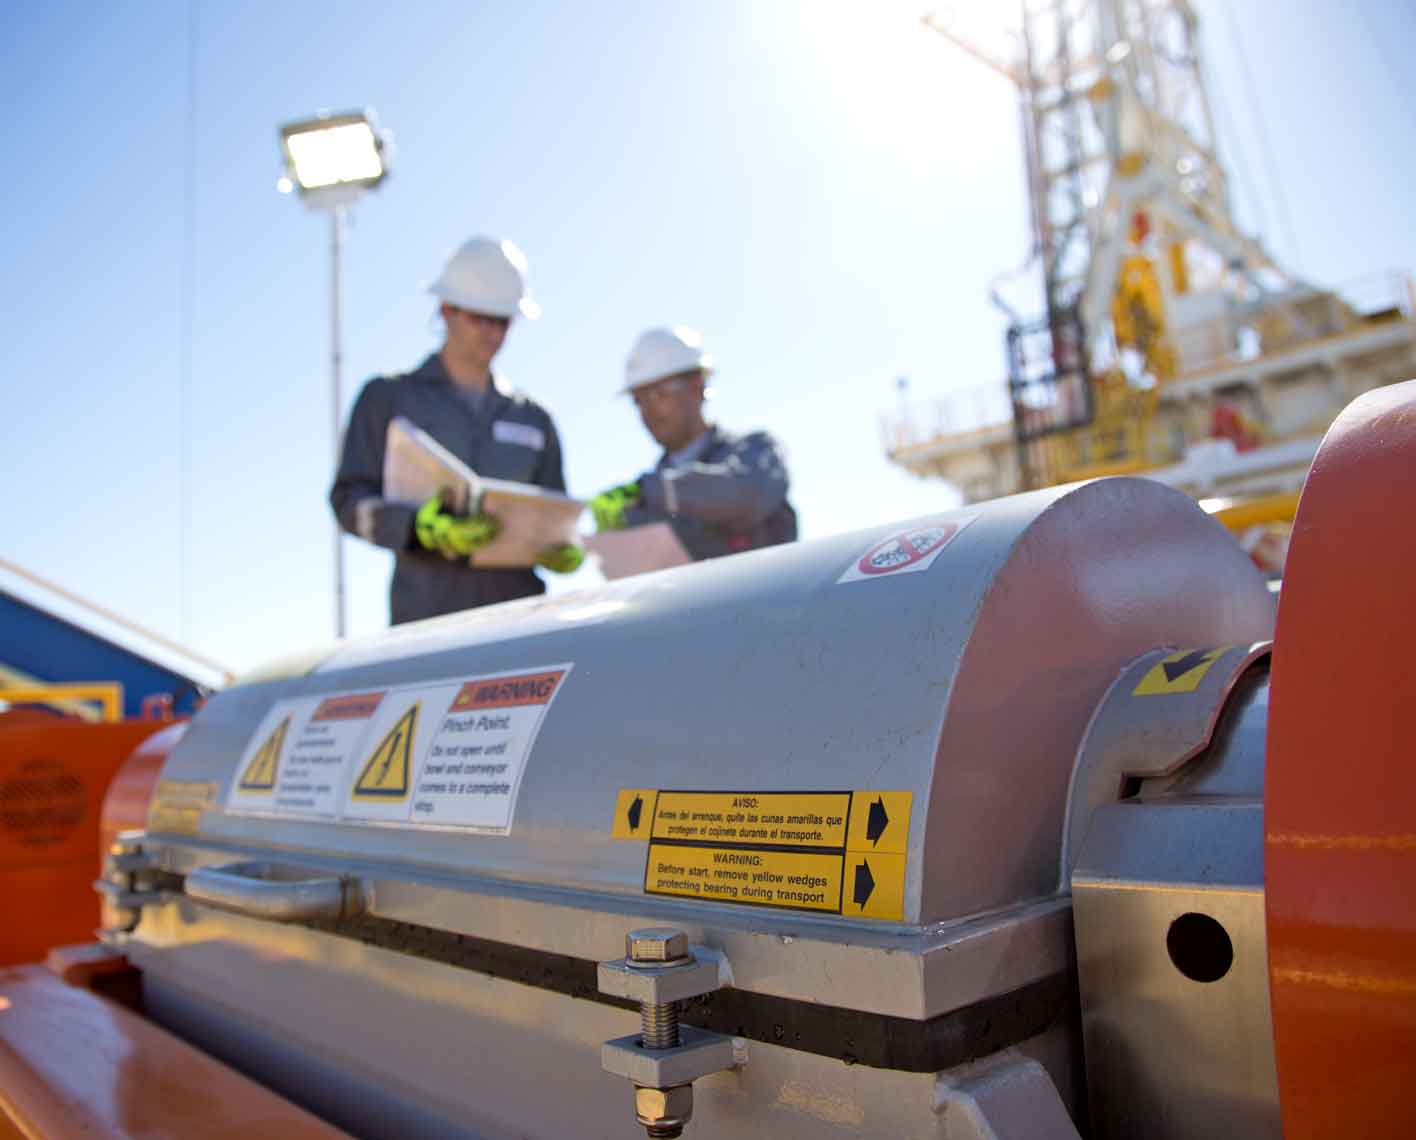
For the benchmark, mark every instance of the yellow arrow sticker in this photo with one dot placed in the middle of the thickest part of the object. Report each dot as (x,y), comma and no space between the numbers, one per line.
(634,813)
(1179,673)
(874,886)
(880,822)
(385,774)
(259,775)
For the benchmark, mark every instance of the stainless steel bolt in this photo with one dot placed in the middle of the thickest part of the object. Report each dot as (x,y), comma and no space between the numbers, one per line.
(662,1112)
(658,946)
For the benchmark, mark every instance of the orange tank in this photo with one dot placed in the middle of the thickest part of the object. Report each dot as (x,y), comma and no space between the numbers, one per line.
(1340,804)
(54,775)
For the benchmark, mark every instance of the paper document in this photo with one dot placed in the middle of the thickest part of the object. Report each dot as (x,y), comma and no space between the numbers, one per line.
(637,550)
(533,519)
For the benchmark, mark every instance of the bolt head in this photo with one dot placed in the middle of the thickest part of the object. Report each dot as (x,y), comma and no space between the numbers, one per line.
(663,1107)
(656,944)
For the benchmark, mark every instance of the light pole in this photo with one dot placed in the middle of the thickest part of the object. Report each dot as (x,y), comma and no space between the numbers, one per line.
(332,160)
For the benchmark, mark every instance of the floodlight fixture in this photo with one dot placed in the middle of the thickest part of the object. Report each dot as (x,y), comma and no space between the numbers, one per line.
(333,158)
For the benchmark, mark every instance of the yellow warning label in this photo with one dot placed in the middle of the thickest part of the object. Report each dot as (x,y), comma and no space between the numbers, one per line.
(259,775)
(874,886)
(1179,673)
(634,813)
(386,773)
(177,805)
(782,819)
(796,879)
(880,821)
(839,852)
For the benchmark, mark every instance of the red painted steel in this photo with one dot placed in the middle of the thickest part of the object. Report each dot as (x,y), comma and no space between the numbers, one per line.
(125,807)
(74,1064)
(1340,804)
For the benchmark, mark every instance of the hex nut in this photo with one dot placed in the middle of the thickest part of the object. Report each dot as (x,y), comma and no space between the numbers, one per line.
(659,984)
(664,1107)
(656,944)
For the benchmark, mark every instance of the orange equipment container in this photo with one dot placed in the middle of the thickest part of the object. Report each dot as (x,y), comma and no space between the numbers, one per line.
(1340,804)
(54,773)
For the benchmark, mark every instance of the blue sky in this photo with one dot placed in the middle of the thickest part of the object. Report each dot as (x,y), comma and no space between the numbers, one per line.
(826,189)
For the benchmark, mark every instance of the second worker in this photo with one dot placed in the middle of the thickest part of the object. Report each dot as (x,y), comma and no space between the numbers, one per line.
(722,493)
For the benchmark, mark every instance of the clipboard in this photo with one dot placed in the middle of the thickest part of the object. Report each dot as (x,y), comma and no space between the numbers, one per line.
(533,519)
(638,550)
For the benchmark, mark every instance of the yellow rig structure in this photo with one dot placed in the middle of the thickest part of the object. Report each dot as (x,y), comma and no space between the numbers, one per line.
(1172,344)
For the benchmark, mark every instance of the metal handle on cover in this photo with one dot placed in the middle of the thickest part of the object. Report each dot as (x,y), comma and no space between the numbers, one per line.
(277,892)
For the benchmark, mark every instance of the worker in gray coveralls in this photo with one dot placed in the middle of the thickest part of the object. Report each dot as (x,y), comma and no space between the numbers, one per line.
(721,493)
(456,398)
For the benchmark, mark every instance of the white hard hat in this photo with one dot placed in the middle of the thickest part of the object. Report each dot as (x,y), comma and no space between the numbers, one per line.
(665,352)
(487,276)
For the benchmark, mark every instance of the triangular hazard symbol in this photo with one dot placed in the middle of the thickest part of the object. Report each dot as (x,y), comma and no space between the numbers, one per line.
(259,775)
(385,774)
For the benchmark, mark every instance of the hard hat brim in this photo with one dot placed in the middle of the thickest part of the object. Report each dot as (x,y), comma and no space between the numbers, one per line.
(527,307)
(705,366)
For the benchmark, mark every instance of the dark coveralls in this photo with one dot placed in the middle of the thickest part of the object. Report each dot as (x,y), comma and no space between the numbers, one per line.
(730,496)
(505,435)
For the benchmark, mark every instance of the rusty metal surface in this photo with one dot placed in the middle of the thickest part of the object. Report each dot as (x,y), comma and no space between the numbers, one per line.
(1340,805)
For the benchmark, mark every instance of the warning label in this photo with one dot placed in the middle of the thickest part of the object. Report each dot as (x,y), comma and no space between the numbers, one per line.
(177,805)
(907,552)
(769,878)
(783,819)
(385,773)
(1178,673)
(258,775)
(301,753)
(837,852)
(474,760)
(447,754)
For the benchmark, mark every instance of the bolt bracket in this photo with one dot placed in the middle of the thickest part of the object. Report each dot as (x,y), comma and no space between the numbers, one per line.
(659,984)
(698,1053)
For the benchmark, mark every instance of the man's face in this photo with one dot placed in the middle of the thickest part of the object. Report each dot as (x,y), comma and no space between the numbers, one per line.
(670,409)
(474,335)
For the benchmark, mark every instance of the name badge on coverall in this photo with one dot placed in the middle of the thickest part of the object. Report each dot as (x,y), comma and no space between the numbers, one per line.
(505,431)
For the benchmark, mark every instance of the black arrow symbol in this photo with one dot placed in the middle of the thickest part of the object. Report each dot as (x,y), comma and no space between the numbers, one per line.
(635,809)
(864,884)
(877,821)
(1177,669)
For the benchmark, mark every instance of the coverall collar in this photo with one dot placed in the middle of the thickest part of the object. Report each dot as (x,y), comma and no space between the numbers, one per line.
(432,369)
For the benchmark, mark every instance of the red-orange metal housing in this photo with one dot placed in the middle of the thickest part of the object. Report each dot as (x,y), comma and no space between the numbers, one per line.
(125,807)
(54,773)
(75,1064)
(1340,799)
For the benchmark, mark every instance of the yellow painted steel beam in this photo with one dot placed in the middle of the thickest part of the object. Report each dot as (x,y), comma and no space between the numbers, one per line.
(108,695)
(1240,514)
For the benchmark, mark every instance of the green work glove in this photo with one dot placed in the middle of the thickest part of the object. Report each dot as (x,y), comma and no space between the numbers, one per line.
(452,536)
(563,559)
(608,507)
